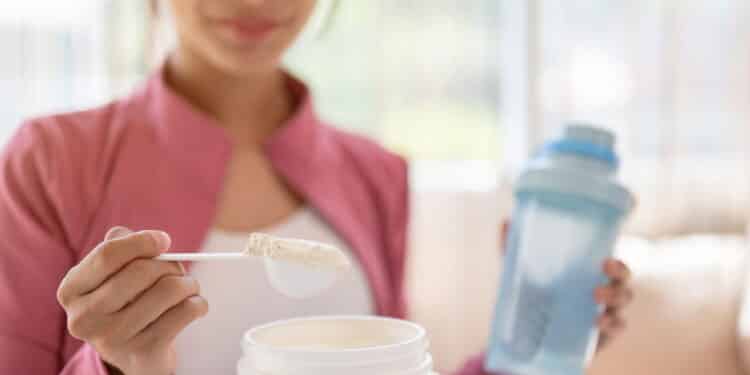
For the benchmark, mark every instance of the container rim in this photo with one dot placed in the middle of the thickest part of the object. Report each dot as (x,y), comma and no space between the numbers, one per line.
(248,339)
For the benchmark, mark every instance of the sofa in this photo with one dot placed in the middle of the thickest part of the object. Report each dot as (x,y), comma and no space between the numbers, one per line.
(684,320)
(685,314)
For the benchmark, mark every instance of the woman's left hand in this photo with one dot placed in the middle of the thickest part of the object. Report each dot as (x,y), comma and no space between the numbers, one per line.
(614,297)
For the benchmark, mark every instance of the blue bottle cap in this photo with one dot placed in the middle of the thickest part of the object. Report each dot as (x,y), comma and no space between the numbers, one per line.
(576,175)
(585,141)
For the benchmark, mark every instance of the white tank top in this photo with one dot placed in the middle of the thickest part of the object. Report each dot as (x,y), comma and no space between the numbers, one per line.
(240,297)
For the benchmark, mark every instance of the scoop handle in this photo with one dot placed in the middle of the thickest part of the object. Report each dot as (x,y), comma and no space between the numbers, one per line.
(201,257)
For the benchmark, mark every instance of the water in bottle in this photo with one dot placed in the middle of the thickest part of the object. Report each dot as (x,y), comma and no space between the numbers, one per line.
(569,210)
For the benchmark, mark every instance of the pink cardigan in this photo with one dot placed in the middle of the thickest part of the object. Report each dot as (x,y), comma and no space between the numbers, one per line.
(153,161)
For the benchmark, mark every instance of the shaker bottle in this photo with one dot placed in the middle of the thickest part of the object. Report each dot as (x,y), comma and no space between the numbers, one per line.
(569,210)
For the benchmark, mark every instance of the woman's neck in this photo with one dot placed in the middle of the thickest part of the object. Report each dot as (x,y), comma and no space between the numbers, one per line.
(250,108)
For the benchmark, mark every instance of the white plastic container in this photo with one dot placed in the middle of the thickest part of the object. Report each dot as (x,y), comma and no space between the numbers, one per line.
(336,345)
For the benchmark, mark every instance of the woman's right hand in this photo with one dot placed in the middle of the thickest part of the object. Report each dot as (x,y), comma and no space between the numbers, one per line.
(128,306)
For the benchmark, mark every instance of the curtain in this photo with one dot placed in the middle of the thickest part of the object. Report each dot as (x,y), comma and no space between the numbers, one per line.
(672,78)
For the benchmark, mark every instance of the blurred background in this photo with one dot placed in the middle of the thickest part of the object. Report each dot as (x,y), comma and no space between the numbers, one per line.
(467,91)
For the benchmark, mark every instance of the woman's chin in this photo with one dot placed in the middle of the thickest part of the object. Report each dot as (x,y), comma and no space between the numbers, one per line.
(248,65)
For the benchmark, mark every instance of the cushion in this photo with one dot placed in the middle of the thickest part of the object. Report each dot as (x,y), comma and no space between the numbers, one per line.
(683,319)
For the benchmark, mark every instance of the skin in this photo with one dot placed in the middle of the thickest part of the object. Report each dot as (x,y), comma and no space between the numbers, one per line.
(227,64)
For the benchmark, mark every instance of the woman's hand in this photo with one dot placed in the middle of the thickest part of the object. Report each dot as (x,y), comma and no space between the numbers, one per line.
(129,307)
(614,296)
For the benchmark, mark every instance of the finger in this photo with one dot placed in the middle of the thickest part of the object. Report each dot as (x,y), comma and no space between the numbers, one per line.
(616,270)
(165,294)
(613,296)
(126,285)
(85,326)
(602,343)
(111,256)
(504,230)
(610,325)
(117,232)
(166,328)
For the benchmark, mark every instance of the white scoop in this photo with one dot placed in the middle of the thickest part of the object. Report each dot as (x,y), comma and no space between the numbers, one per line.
(296,268)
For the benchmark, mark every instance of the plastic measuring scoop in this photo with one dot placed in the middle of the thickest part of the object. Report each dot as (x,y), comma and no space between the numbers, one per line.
(295,268)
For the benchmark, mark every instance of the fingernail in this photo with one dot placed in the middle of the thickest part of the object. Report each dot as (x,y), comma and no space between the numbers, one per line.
(208,308)
(117,232)
(201,301)
(162,240)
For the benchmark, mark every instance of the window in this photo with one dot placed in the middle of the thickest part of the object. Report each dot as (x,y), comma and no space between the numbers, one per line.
(672,78)
(61,56)
(419,75)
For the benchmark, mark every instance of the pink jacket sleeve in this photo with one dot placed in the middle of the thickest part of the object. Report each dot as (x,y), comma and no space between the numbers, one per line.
(85,361)
(475,366)
(34,256)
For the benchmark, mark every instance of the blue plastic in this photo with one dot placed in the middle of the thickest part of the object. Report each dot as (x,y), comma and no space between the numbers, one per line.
(585,149)
(564,226)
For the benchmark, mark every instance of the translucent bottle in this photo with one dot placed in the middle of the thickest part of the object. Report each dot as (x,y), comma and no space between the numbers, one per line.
(569,210)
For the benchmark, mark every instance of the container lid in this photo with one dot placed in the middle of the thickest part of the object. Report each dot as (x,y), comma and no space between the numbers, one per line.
(333,345)
(580,144)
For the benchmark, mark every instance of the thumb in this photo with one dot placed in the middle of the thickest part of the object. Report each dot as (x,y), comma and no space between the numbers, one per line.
(117,232)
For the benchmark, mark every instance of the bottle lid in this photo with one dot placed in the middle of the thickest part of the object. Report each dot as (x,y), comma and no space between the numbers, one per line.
(585,141)
(575,175)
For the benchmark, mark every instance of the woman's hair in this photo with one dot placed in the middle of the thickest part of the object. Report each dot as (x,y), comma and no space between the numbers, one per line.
(329,16)
(161,36)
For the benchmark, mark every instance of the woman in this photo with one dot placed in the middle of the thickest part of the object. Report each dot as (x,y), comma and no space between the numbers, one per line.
(220,142)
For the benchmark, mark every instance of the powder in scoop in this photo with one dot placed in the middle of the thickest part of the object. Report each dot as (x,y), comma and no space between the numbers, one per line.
(308,253)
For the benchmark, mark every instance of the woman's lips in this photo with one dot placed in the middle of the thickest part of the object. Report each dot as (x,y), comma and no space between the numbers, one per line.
(248,29)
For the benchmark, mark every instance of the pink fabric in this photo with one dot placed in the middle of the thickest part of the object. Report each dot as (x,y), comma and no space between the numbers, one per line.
(153,161)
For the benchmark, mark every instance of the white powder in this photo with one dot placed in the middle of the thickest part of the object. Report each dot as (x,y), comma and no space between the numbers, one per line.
(307,253)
